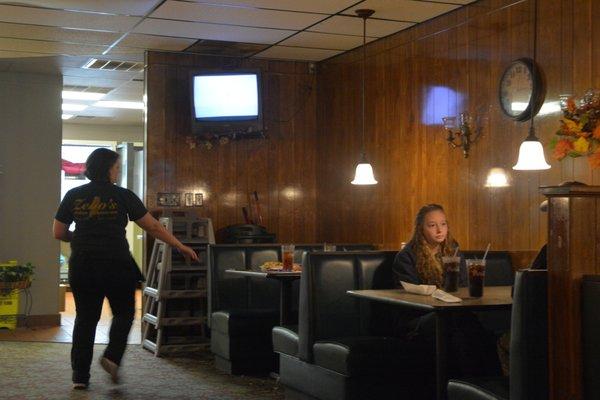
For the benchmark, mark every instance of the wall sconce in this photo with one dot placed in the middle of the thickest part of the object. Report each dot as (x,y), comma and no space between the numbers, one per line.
(462,134)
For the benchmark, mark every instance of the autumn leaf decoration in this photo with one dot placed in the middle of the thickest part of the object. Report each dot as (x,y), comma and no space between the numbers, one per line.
(579,132)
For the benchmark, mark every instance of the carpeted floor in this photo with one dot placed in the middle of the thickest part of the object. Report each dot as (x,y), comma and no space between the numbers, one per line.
(40,371)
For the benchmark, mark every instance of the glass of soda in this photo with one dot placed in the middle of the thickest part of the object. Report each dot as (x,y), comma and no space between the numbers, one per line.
(287,257)
(476,271)
(451,269)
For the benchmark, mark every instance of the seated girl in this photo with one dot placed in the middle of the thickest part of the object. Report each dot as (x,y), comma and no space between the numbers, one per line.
(472,349)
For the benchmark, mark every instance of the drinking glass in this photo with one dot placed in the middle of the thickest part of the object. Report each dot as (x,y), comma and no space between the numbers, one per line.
(329,247)
(451,269)
(476,270)
(287,256)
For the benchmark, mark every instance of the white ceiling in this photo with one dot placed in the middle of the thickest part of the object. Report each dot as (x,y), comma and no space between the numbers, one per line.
(60,36)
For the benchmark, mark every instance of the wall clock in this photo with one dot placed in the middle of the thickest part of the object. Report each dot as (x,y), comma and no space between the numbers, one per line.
(521,89)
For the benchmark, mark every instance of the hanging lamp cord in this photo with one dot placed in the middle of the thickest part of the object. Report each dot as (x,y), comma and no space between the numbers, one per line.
(532,135)
(364,57)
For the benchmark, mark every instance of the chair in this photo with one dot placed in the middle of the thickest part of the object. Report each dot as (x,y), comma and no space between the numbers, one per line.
(528,348)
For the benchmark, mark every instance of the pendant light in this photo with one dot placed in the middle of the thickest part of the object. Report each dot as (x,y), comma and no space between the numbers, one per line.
(531,152)
(364,170)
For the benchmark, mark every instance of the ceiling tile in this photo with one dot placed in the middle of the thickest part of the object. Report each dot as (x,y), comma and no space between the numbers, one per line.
(19,54)
(120,53)
(220,48)
(353,26)
(324,41)
(84,81)
(243,16)
(404,10)
(211,31)
(152,42)
(122,7)
(38,46)
(19,31)
(296,53)
(129,91)
(317,6)
(66,19)
(94,75)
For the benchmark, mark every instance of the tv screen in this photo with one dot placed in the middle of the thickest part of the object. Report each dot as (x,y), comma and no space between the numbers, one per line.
(226,97)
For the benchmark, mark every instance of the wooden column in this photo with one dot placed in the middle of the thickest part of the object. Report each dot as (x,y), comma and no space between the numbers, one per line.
(573,250)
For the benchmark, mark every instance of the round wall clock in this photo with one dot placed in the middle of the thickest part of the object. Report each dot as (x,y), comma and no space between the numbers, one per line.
(521,89)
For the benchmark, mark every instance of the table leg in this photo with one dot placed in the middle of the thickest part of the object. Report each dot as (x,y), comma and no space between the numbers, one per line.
(440,354)
(285,295)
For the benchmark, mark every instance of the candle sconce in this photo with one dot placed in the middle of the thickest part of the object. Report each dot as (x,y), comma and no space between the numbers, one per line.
(461,133)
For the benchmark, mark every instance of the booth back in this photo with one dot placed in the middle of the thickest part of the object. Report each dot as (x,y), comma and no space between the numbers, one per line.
(326,311)
(228,291)
(529,336)
(499,270)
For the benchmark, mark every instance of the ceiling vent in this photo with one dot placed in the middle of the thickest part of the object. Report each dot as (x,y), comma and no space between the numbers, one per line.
(113,65)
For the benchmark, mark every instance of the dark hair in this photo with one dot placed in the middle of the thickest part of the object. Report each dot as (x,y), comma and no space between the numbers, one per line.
(99,163)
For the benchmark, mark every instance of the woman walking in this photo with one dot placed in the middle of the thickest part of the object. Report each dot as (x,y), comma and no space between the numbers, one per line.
(100,264)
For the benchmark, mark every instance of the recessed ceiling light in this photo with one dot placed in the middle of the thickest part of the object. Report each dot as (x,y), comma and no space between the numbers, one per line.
(132,105)
(67,116)
(73,107)
(72,95)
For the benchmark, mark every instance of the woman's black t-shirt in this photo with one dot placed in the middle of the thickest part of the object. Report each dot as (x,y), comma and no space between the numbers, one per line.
(101,211)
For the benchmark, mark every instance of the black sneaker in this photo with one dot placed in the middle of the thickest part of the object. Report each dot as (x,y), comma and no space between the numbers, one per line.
(111,367)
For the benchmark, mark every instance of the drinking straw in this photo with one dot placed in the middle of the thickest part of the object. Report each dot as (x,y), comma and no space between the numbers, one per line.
(486,251)
(455,252)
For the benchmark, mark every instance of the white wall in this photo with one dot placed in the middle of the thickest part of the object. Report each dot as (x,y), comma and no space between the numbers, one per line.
(30,142)
(99,133)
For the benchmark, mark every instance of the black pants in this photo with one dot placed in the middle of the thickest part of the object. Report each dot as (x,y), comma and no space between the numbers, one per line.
(92,277)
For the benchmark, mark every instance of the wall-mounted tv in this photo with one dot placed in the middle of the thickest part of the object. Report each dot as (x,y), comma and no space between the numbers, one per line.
(226,102)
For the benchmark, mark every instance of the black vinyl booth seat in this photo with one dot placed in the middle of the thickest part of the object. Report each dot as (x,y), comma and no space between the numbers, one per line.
(528,379)
(244,310)
(338,355)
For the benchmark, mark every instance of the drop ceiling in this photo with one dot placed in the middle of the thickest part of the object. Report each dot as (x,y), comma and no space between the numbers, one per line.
(60,36)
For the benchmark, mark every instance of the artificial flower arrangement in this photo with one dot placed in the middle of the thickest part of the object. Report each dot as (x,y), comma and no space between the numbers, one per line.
(579,133)
(15,276)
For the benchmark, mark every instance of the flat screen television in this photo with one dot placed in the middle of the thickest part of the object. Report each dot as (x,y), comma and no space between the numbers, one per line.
(225,102)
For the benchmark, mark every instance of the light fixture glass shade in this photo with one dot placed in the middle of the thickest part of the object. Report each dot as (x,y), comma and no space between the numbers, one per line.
(364,175)
(531,156)
(497,177)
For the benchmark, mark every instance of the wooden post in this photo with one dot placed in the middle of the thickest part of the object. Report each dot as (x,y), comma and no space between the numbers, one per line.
(573,250)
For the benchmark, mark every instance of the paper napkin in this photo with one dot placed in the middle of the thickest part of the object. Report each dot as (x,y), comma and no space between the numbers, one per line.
(426,290)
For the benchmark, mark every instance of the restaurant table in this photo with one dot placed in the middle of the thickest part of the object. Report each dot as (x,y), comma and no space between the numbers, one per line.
(494,298)
(285,279)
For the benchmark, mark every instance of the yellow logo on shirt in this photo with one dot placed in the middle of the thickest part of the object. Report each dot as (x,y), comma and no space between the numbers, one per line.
(95,208)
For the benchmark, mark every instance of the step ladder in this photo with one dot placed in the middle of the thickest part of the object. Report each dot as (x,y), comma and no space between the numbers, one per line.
(175,310)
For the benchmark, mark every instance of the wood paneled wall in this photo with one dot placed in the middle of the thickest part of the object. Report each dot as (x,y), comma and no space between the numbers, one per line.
(281,168)
(464,53)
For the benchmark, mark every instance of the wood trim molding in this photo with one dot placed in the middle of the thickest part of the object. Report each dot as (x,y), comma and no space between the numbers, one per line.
(31,321)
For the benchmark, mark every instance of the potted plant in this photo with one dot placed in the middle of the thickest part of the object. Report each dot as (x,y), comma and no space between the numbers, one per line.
(15,276)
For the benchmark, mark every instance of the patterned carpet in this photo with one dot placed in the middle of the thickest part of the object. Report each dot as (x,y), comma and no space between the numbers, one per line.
(40,371)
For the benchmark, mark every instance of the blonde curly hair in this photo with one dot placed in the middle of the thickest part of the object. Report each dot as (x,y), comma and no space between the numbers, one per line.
(429,265)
